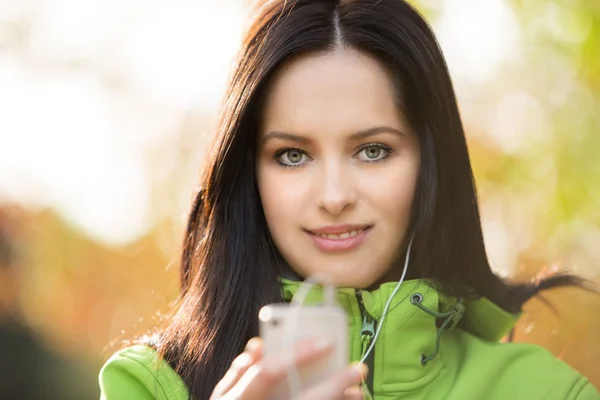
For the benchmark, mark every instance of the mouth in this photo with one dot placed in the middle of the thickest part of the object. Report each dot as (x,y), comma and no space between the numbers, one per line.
(344,235)
(339,238)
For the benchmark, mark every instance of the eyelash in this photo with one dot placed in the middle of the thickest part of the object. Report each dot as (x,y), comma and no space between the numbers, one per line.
(281,152)
(383,147)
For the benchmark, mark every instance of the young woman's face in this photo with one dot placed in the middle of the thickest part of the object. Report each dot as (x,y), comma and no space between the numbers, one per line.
(337,167)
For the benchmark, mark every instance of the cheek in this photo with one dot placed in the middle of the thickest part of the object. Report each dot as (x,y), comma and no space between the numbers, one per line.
(394,193)
(281,198)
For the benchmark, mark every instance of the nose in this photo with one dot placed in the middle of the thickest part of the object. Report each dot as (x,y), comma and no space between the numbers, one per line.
(337,191)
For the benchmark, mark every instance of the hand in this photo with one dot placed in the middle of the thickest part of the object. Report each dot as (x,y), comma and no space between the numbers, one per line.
(252,377)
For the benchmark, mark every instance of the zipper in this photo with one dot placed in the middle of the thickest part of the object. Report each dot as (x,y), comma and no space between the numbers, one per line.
(367,333)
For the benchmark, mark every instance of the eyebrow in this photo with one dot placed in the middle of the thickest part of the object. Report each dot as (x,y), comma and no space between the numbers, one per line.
(357,135)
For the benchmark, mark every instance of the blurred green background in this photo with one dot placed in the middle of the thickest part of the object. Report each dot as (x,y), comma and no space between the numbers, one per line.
(106,107)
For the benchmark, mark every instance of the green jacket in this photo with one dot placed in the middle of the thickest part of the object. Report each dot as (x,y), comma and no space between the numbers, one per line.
(431,346)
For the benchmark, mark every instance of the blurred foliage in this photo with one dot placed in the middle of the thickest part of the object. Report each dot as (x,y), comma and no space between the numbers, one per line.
(533,139)
(550,189)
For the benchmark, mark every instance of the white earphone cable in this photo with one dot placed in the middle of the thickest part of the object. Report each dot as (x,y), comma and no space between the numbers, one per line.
(298,300)
(291,324)
(389,301)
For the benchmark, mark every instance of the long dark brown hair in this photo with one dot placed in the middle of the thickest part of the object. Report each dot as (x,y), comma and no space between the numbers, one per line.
(229,266)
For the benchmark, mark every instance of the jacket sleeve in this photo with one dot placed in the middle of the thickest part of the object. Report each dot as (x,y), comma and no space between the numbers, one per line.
(584,390)
(136,373)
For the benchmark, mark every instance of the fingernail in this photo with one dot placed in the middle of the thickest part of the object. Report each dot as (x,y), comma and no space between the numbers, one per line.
(361,370)
(354,392)
(322,344)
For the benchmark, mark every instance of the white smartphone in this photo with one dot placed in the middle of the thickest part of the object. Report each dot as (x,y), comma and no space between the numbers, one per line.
(281,326)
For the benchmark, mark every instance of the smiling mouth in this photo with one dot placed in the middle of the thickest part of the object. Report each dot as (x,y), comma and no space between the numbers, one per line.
(341,236)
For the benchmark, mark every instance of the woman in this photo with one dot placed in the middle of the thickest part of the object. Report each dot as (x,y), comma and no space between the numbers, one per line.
(340,143)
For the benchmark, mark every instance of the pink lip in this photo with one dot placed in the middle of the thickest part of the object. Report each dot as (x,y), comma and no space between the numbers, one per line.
(335,245)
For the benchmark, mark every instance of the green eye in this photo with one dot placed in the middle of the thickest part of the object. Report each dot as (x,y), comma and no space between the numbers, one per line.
(291,157)
(373,153)
(294,156)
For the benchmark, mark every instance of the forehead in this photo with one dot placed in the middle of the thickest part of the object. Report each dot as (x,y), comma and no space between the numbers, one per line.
(334,91)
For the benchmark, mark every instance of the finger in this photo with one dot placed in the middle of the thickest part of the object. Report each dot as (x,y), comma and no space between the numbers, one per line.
(353,393)
(261,378)
(255,347)
(339,386)
(239,366)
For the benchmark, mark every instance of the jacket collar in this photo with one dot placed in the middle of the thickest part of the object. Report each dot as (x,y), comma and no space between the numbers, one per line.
(414,331)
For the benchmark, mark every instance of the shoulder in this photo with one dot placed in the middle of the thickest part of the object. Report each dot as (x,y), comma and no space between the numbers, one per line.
(521,369)
(138,372)
(537,369)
